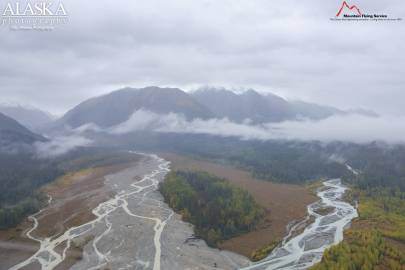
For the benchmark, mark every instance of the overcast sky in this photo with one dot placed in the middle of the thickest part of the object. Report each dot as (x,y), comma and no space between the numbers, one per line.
(288,47)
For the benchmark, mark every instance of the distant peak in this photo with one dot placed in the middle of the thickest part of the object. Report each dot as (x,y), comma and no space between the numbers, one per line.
(212,89)
(146,88)
(251,92)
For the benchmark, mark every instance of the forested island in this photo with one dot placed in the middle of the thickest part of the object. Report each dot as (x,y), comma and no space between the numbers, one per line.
(217,209)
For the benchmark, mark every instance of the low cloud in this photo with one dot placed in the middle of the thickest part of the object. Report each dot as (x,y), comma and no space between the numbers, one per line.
(60,145)
(349,128)
(175,123)
(337,158)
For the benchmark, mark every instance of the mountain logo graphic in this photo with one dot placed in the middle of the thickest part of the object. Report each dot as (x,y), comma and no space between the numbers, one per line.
(352,8)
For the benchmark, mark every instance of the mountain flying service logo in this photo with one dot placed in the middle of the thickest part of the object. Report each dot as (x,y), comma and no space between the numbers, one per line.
(351,12)
(351,8)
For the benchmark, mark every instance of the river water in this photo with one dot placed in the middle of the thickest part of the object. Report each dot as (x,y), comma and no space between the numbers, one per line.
(305,249)
(48,256)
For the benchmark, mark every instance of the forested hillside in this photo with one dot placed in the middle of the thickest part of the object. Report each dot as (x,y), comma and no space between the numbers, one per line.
(217,209)
(381,166)
(279,161)
(291,161)
(20,177)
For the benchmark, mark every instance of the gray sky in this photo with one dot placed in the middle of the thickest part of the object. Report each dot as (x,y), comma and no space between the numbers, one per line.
(287,47)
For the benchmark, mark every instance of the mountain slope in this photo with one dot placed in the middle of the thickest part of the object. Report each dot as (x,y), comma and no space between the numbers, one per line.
(313,111)
(13,133)
(29,117)
(118,106)
(248,105)
(265,108)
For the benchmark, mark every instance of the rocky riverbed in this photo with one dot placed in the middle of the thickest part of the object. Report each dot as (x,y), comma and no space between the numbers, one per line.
(301,251)
(133,230)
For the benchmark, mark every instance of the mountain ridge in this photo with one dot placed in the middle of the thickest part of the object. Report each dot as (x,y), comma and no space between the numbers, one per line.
(118,106)
(263,108)
(13,135)
(28,116)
